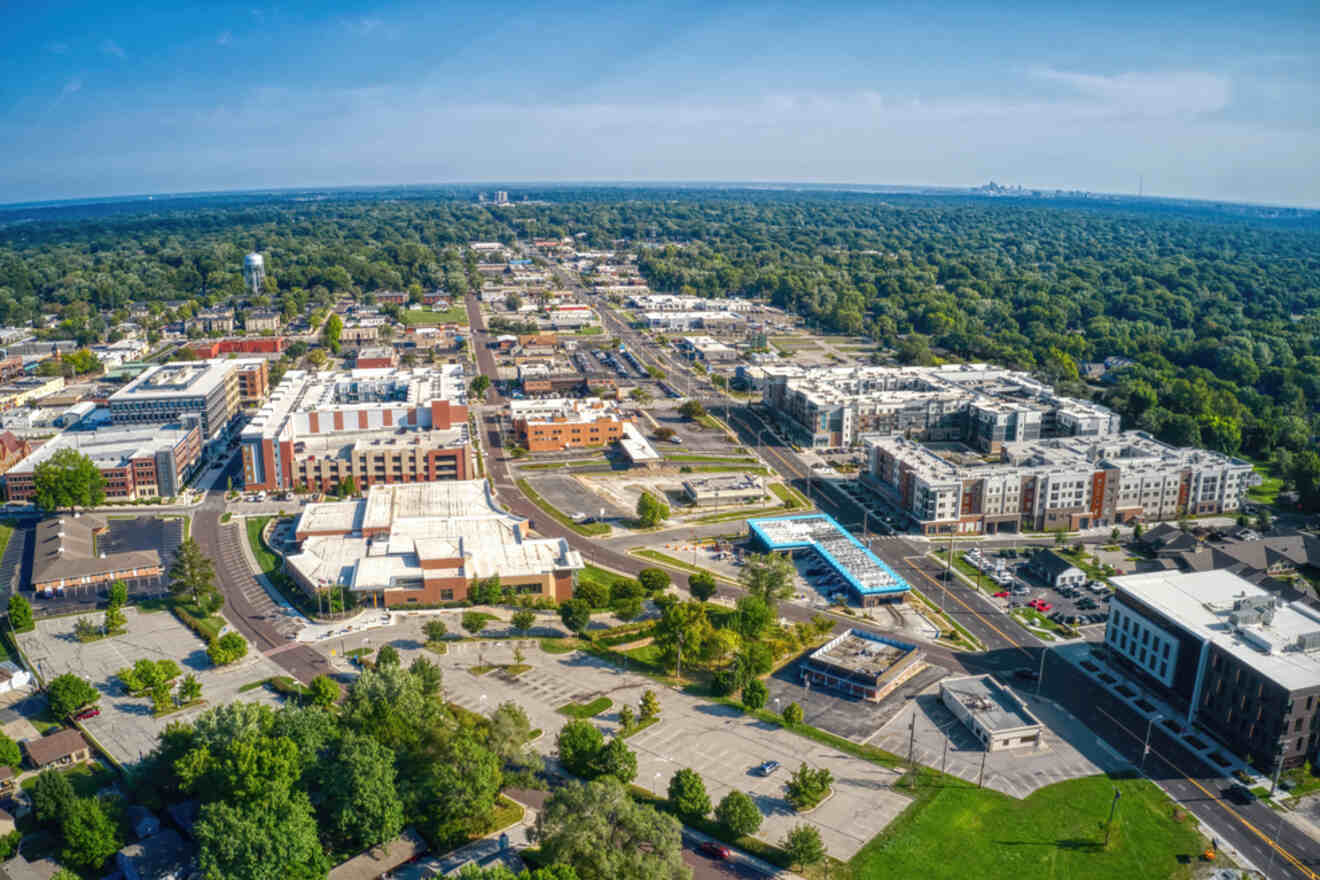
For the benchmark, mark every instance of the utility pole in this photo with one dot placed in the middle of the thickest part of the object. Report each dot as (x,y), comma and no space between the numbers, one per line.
(1040,673)
(981,778)
(912,737)
(1113,811)
(1145,747)
(1278,767)
(944,761)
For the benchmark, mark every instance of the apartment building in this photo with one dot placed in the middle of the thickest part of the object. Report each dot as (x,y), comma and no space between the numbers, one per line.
(565,423)
(208,349)
(210,390)
(1241,661)
(217,320)
(980,405)
(425,544)
(374,425)
(1065,483)
(136,462)
(258,320)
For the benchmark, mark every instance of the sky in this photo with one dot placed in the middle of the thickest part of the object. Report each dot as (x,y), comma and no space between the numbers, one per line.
(1187,99)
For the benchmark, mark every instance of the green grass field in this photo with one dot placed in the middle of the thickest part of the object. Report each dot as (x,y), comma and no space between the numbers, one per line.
(595,574)
(585,710)
(267,560)
(1267,492)
(451,315)
(1058,832)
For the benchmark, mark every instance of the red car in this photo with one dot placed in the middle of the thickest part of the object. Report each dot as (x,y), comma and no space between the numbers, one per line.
(1002,594)
(717,851)
(87,713)
(1042,607)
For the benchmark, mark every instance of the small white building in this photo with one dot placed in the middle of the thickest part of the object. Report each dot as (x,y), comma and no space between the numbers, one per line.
(12,677)
(991,712)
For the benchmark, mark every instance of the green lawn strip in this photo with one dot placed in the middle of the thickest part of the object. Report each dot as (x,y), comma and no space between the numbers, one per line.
(560,646)
(270,566)
(657,556)
(192,616)
(966,569)
(824,737)
(790,496)
(597,575)
(728,469)
(555,465)
(172,710)
(715,459)
(357,652)
(638,727)
(648,654)
(736,515)
(86,779)
(505,814)
(1057,831)
(587,710)
(6,532)
(971,640)
(451,315)
(589,531)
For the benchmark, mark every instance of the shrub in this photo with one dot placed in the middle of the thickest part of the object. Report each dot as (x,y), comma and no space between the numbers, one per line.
(808,787)
(653,580)
(754,694)
(435,630)
(229,648)
(687,794)
(738,813)
(792,714)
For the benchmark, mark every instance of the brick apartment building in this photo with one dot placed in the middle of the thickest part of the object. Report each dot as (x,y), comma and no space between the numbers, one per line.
(565,423)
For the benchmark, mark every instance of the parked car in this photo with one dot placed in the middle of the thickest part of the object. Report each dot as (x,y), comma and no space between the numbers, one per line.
(767,767)
(1002,594)
(90,712)
(713,850)
(1042,607)
(1239,793)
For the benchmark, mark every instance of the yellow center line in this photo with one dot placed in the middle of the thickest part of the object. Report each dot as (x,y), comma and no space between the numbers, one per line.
(954,596)
(1232,812)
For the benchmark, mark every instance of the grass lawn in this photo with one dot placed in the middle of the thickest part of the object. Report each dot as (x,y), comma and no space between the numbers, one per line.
(1267,492)
(790,496)
(506,813)
(657,556)
(267,560)
(6,532)
(1057,832)
(597,575)
(452,315)
(716,459)
(206,626)
(560,646)
(646,654)
(737,514)
(556,465)
(594,530)
(86,779)
(587,710)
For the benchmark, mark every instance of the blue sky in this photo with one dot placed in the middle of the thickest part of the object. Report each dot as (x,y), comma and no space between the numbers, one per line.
(1205,100)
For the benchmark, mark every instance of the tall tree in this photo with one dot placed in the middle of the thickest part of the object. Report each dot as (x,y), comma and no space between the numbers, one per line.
(192,572)
(603,834)
(68,479)
(68,693)
(361,802)
(90,836)
(334,326)
(260,839)
(768,576)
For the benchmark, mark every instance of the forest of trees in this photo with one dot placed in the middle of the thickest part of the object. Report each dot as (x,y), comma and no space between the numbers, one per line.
(1220,309)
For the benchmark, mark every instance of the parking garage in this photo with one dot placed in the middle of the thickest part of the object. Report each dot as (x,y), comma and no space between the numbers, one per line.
(867,577)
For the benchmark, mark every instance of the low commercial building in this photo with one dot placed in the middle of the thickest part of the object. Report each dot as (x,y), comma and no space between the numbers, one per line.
(209,349)
(208,390)
(549,376)
(64,558)
(991,712)
(565,423)
(637,448)
(424,544)
(376,426)
(1240,660)
(137,462)
(707,350)
(720,489)
(1055,570)
(862,664)
(377,358)
(24,390)
(866,576)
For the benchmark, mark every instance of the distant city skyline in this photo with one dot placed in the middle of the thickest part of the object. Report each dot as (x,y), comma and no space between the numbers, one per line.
(1186,101)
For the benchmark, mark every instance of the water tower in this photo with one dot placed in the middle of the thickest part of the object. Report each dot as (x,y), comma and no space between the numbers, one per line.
(254,273)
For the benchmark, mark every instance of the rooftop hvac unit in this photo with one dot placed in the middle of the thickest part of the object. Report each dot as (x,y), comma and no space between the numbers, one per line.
(1309,641)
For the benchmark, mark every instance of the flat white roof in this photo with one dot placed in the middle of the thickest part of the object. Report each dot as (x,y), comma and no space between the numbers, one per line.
(1202,602)
(635,446)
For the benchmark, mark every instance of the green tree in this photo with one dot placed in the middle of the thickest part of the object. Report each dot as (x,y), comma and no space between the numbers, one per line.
(792,714)
(804,846)
(692,410)
(701,585)
(461,784)
(754,694)
(687,794)
(68,693)
(190,690)
(474,622)
(361,803)
(754,614)
(388,655)
(258,840)
(115,620)
(90,836)
(470,871)
(768,576)
(603,834)
(430,678)
(330,333)
(627,718)
(478,387)
(654,580)
(229,648)
(681,631)
(808,786)
(119,594)
(68,479)
(738,813)
(52,796)
(650,705)
(323,691)
(576,615)
(594,593)
(523,621)
(435,630)
(348,487)
(651,511)
(616,760)
(192,572)
(579,742)
(627,608)
(20,614)
(11,755)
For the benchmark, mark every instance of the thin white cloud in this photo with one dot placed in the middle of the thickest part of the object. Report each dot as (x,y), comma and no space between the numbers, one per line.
(225,38)
(1187,93)
(73,85)
(110,47)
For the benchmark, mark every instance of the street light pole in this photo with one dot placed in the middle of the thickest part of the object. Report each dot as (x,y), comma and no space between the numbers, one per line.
(1040,672)
(1113,810)
(1145,747)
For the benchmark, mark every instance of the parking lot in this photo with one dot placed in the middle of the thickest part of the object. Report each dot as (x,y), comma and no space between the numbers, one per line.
(1007,573)
(125,728)
(566,493)
(720,743)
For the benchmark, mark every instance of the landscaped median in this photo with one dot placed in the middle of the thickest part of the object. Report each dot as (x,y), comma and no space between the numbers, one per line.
(594,530)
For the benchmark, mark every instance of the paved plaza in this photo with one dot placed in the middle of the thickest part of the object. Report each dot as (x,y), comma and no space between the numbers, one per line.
(720,743)
(125,728)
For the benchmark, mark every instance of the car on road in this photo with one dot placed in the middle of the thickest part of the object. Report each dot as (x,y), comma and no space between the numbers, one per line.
(1240,794)
(713,850)
(767,767)
(1042,607)
(1002,594)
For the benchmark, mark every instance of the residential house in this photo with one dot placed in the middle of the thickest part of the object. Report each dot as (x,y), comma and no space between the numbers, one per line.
(63,748)
(1056,571)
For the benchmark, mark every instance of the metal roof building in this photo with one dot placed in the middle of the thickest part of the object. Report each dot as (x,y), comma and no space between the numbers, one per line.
(867,576)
